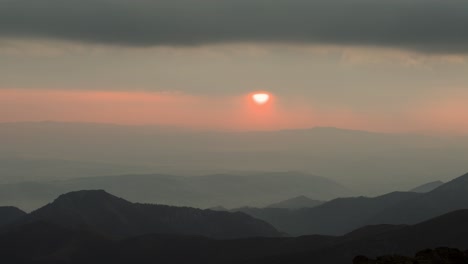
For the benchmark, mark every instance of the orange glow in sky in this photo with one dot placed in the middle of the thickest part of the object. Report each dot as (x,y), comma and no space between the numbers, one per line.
(253,111)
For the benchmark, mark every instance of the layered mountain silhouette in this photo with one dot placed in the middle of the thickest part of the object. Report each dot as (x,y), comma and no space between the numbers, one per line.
(336,217)
(103,213)
(228,190)
(296,203)
(44,242)
(343,215)
(448,197)
(449,230)
(9,214)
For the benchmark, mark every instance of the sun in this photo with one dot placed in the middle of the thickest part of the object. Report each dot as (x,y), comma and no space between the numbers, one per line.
(261,98)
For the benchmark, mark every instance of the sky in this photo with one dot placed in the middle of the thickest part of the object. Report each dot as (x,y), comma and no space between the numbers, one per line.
(390,66)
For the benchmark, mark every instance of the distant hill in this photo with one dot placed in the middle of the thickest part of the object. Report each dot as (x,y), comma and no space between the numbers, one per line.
(253,189)
(42,242)
(9,214)
(427,187)
(109,215)
(296,203)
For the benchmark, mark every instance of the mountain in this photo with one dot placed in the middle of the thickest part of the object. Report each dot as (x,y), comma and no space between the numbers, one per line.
(427,187)
(448,197)
(41,242)
(9,214)
(228,190)
(109,215)
(296,203)
(335,217)
(449,230)
(343,215)
(439,255)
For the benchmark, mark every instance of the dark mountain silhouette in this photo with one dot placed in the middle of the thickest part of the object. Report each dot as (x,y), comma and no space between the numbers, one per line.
(343,215)
(427,187)
(42,242)
(253,189)
(8,214)
(449,230)
(431,256)
(448,197)
(109,215)
(296,203)
(372,231)
(336,217)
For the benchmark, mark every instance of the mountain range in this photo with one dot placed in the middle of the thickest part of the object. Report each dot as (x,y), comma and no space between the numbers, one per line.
(364,161)
(54,237)
(448,197)
(228,190)
(343,215)
(108,215)
(335,217)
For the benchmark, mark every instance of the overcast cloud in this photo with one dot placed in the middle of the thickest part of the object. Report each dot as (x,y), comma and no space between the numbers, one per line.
(423,25)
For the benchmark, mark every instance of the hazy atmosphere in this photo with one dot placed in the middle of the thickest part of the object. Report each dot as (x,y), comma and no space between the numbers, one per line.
(202,125)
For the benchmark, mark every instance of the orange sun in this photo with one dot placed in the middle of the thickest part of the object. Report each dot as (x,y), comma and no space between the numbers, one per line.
(261,98)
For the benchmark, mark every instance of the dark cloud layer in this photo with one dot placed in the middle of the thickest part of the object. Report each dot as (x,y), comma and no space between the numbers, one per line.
(425,25)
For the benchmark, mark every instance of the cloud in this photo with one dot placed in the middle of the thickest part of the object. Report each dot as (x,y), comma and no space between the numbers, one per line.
(431,26)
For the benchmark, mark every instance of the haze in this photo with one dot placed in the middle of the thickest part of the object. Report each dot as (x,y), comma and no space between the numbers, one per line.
(164,87)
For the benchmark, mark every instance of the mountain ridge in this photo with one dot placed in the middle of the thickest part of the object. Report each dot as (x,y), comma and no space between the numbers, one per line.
(342,215)
(297,202)
(427,187)
(448,197)
(9,214)
(110,215)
